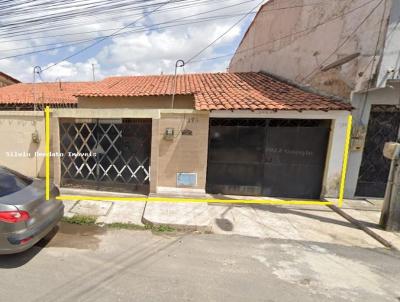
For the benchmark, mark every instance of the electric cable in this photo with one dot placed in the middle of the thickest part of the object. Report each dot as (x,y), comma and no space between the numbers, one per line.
(343,43)
(302,33)
(106,37)
(223,34)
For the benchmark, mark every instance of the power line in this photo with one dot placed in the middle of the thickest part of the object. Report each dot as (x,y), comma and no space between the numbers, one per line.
(118,32)
(162,10)
(223,34)
(344,42)
(178,19)
(373,60)
(388,36)
(29,29)
(301,33)
(155,26)
(106,37)
(134,31)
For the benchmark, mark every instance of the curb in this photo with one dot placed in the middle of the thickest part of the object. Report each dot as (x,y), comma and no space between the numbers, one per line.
(179,227)
(362,227)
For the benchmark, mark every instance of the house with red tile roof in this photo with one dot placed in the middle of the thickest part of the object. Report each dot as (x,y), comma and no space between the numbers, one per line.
(207,133)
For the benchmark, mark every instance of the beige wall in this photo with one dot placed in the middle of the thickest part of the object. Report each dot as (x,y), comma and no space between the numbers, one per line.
(16,130)
(182,154)
(168,157)
(273,43)
(150,102)
(185,153)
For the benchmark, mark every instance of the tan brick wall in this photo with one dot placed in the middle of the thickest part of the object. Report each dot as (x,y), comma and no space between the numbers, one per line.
(185,153)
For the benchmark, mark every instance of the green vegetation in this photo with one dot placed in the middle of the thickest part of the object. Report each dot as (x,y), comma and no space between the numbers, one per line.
(126,226)
(162,229)
(91,220)
(80,220)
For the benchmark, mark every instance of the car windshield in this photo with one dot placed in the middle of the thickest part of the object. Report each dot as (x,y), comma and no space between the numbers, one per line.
(11,182)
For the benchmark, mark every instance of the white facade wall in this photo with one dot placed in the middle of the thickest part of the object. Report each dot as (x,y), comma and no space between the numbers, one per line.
(389,95)
(291,43)
(390,65)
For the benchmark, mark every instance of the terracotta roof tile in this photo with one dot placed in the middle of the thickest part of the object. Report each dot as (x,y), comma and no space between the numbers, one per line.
(221,91)
(45,93)
(211,91)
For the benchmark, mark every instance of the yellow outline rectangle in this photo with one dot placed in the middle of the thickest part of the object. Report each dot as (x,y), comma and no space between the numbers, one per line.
(47,142)
(345,160)
(194,200)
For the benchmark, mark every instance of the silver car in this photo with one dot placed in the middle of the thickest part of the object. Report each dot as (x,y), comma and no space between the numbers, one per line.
(25,215)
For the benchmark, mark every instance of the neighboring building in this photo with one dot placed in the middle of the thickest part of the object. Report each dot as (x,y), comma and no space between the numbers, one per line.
(230,133)
(345,48)
(6,80)
(24,96)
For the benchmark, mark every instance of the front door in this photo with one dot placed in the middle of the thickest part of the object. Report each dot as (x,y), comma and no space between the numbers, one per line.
(383,127)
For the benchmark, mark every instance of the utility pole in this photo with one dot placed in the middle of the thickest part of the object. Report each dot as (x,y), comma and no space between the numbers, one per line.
(35,135)
(390,217)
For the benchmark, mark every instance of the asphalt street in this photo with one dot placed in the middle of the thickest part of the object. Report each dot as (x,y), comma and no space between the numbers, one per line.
(96,264)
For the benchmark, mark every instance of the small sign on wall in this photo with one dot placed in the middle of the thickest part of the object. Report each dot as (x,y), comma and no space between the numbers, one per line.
(186,179)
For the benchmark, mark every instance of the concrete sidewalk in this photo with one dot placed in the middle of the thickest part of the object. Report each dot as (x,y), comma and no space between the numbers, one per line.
(367,212)
(107,212)
(311,223)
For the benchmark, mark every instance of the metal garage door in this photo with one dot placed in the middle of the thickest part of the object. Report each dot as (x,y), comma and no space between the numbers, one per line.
(268,157)
(106,154)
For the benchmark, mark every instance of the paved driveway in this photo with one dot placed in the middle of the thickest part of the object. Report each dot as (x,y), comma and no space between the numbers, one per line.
(95,264)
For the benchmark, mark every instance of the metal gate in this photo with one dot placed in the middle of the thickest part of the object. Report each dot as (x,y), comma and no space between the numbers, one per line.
(106,154)
(383,127)
(269,157)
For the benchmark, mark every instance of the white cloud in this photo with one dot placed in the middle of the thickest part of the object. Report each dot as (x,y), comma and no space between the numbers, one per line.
(67,71)
(150,52)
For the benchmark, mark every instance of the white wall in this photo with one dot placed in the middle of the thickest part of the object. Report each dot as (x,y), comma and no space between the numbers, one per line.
(334,161)
(362,102)
(391,54)
(298,54)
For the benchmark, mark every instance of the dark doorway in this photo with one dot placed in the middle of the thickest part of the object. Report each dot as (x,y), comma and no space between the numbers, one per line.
(383,127)
(267,157)
(106,154)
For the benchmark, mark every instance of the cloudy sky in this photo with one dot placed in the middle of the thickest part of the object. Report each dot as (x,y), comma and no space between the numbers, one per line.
(177,30)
